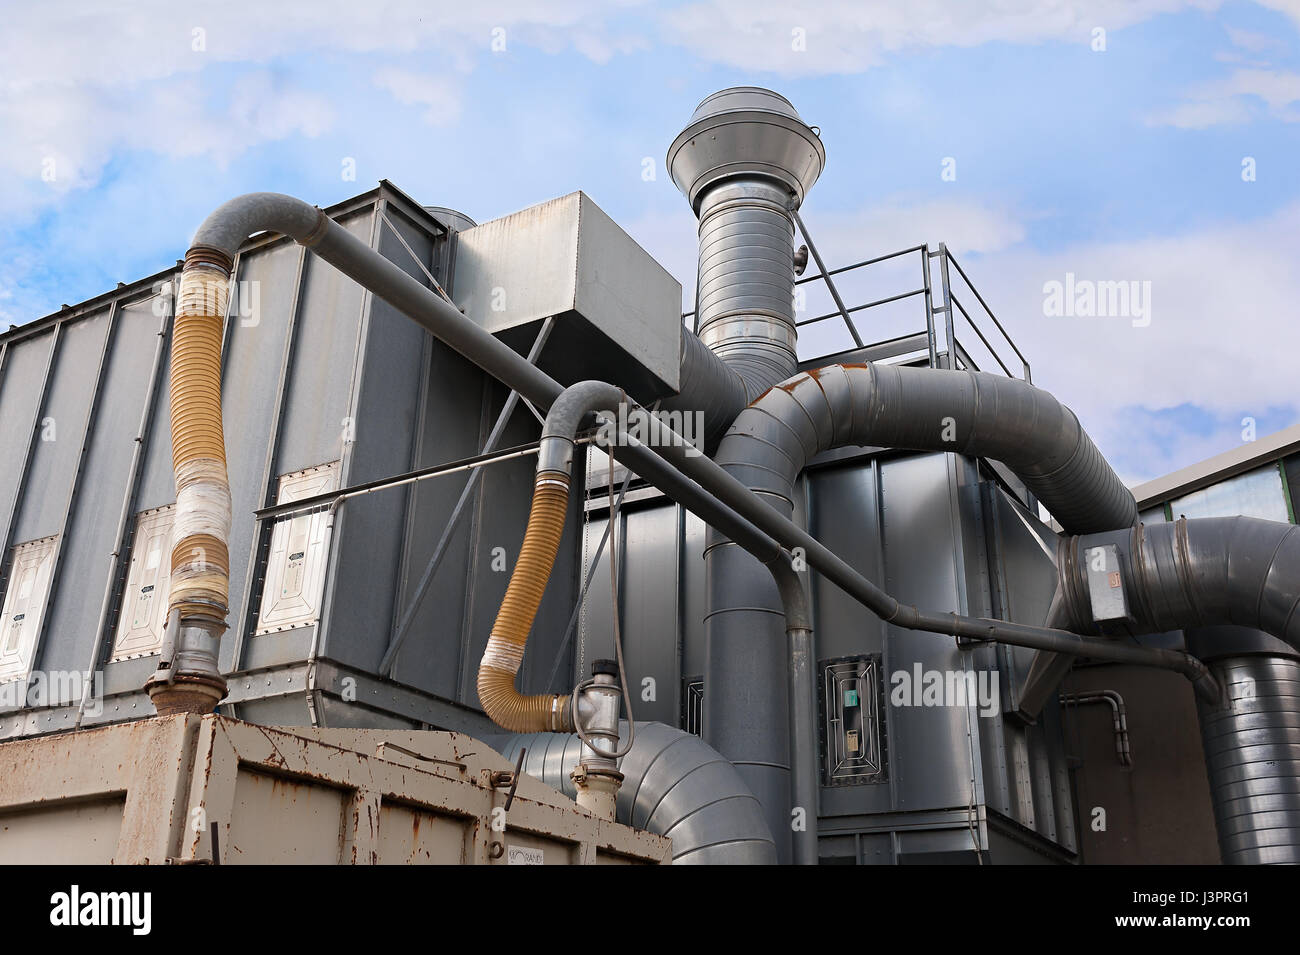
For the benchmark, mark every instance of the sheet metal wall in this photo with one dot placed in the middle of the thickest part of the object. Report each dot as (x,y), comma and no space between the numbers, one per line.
(315,371)
(937,534)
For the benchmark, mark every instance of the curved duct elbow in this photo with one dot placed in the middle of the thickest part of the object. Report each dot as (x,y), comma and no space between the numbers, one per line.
(1190,573)
(674,784)
(929,409)
(501,701)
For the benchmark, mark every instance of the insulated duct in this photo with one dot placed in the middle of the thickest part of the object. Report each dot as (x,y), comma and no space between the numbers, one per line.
(744,162)
(888,406)
(674,785)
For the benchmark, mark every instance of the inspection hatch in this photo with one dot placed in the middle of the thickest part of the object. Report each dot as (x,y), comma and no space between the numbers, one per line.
(295,566)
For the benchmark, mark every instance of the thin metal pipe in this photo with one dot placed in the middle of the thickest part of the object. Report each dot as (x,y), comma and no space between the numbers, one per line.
(1119,718)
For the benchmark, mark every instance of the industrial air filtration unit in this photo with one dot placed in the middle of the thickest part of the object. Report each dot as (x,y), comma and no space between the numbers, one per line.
(840,619)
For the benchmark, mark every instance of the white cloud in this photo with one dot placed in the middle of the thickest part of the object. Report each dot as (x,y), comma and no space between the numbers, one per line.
(437,94)
(1237,98)
(1221,335)
(81,80)
(848,36)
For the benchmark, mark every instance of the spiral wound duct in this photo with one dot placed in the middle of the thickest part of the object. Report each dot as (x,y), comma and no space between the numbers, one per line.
(504,704)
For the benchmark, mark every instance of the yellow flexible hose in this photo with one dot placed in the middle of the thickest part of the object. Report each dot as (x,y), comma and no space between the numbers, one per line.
(200,575)
(504,704)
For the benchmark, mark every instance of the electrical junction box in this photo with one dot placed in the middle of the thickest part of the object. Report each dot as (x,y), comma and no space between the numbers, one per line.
(1106,583)
(617,311)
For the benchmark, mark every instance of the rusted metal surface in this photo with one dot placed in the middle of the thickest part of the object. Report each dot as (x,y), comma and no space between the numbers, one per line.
(156,791)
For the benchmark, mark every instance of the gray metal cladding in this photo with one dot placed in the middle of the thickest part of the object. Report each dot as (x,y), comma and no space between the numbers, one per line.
(1252,754)
(92,527)
(673,784)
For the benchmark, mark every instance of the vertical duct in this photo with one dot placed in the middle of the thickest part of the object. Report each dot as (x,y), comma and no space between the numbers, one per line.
(744,161)
(1252,757)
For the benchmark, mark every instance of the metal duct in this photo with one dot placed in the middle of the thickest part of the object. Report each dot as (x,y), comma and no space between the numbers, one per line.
(744,162)
(1252,757)
(1202,574)
(1187,574)
(881,406)
(674,784)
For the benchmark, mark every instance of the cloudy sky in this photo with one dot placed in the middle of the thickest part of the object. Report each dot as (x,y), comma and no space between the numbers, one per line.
(1154,142)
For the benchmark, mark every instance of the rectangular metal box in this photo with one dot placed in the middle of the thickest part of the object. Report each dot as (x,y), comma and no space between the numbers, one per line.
(618,311)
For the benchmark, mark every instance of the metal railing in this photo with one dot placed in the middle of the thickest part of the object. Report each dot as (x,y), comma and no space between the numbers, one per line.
(947,316)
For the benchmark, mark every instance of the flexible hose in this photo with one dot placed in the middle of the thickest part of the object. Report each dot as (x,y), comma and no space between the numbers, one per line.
(505,705)
(200,576)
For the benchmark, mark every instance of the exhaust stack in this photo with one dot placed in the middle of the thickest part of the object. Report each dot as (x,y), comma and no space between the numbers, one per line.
(744,161)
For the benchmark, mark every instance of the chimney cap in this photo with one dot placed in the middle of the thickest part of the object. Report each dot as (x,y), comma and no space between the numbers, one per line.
(745,131)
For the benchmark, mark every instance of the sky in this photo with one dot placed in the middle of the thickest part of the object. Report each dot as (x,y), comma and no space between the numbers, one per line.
(1149,147)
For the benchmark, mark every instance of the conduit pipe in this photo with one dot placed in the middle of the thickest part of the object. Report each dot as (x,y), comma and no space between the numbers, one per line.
(674,784)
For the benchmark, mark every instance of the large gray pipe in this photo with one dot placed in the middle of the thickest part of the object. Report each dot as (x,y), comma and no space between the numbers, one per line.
(744,703)
(743,162)
(1190,573)
(674,784)
(1252,758)
(1206,573)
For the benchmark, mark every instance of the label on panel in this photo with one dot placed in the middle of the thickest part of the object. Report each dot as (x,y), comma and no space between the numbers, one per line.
(24,606)
(295,567)
(143,620)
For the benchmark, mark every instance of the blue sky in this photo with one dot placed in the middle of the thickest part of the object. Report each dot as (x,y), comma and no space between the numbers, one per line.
(1114,164)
